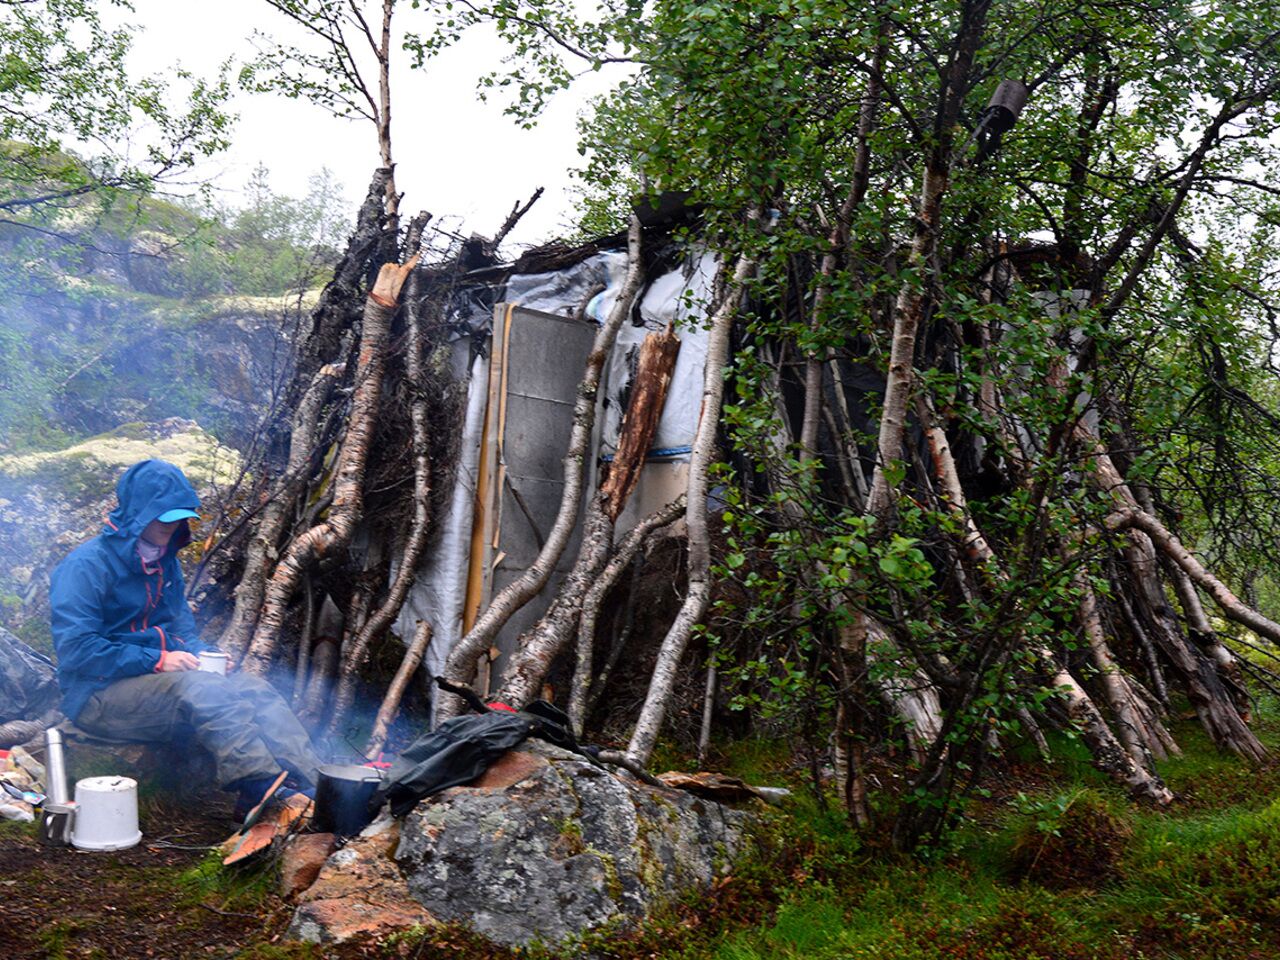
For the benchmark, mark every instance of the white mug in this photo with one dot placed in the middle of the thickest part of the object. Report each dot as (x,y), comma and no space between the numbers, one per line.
(213,662)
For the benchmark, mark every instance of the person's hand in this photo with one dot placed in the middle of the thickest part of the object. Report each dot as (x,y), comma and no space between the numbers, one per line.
(172,661)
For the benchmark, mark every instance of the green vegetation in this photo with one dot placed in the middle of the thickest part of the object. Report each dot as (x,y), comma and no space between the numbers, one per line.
(1198,880)
(145,132)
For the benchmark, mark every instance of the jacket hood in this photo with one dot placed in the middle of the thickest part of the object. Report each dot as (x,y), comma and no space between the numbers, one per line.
(147,490)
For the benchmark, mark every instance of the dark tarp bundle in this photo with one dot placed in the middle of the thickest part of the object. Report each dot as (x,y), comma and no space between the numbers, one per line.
(461,749)
(28,684)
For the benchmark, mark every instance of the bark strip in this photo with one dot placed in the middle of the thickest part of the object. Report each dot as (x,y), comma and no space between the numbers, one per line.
(658,356)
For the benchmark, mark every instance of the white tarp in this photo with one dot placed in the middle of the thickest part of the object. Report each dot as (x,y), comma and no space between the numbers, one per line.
(680,297)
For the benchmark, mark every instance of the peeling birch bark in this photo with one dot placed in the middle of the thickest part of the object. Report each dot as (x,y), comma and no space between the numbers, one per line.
(335,533)
(658,356)
(355,656)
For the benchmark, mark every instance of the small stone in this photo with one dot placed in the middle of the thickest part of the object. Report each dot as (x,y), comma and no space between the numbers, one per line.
(359,893)
(341,920)
(302,860)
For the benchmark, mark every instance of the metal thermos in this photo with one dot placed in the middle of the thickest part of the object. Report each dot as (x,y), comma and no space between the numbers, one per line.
(55,767)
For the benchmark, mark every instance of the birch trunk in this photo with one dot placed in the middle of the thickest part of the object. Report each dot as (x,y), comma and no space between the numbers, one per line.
(695,602)
(836,241)
(395,693)
(1108,753)
(355,656)
(627,549)
(1232,607)
(1213,702)
(1143,743)
(524,672)
(335,533)
(551,634)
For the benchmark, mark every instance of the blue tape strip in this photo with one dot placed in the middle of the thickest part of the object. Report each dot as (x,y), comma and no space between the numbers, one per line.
(657,453)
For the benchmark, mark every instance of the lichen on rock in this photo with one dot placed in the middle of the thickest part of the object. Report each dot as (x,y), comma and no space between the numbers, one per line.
(497,860)
(543,847)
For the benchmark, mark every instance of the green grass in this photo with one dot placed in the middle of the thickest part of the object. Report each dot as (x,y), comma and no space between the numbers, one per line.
(240,889)
(1197,881)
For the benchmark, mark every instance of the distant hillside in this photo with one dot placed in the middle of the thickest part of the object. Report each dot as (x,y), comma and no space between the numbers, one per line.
(112,313)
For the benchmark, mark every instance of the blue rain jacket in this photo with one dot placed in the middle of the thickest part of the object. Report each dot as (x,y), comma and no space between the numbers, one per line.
(113,615)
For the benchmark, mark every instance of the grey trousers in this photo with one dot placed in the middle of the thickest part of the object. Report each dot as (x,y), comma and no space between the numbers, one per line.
(240,719)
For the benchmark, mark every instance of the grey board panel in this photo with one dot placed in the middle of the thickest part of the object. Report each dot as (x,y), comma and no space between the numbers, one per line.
(518,540)
(547,355)
(535,438)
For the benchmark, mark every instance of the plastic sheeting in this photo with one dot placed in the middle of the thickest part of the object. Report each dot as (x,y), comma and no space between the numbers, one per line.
(561,291)
(438,595)
(28,681)
(680,297)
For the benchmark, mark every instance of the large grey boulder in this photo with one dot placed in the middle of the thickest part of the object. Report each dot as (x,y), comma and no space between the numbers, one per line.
(544,846)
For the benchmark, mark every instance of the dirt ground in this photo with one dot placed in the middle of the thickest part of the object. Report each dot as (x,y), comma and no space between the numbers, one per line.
(154,900)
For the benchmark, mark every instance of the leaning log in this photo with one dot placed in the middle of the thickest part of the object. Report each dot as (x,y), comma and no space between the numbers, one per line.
(348,499)
(462,663)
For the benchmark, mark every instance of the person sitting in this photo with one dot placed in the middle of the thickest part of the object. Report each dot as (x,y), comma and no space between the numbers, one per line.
(128,648)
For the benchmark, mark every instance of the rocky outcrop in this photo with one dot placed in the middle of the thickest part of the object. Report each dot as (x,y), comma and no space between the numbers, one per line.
(545,846)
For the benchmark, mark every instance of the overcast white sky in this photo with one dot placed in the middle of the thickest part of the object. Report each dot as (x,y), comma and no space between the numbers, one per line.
(455,155)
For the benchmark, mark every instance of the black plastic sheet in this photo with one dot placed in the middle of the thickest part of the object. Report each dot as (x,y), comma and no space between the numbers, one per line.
(28,681)
(461,749)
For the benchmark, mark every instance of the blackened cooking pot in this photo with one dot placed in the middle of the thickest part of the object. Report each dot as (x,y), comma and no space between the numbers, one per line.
(343,793)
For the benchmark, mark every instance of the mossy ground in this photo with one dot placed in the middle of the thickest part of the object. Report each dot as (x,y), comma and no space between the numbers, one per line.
(1057,867)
